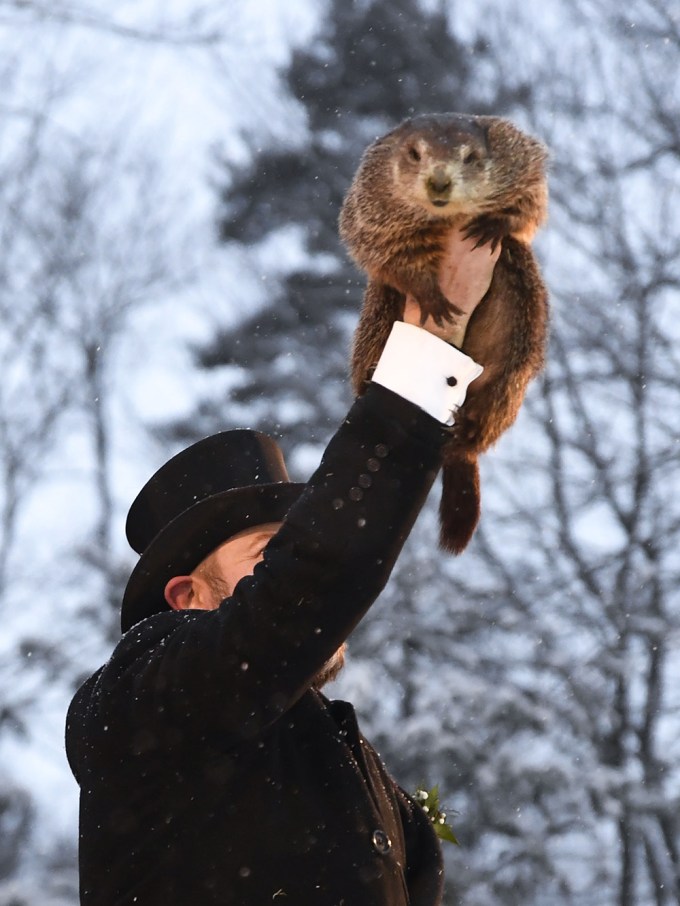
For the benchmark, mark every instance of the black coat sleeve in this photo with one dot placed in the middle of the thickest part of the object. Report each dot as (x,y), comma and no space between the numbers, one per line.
(234,670)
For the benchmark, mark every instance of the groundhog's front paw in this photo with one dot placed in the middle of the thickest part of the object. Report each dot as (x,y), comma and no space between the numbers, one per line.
(438,307)
(487,228)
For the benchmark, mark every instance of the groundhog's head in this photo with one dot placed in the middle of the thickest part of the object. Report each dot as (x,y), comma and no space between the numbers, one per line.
(451,163)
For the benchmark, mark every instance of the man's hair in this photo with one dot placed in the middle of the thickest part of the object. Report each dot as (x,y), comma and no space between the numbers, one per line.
(331,668)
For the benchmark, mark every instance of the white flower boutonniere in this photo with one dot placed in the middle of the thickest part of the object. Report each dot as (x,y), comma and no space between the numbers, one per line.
(429,802)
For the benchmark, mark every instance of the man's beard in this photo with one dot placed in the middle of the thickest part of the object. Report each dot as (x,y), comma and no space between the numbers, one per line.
(330,669)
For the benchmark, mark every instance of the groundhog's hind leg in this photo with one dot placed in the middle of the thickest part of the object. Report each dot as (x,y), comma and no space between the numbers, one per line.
(382,306)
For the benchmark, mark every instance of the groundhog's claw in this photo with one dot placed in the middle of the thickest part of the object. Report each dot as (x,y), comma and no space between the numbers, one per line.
(486,229)
(438,307)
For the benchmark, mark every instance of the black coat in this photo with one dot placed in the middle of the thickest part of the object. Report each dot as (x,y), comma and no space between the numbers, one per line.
(210,771)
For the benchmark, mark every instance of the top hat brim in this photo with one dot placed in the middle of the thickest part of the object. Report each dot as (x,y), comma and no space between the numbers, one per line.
(188,539)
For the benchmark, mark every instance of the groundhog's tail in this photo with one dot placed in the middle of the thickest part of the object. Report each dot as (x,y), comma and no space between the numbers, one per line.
(459,507)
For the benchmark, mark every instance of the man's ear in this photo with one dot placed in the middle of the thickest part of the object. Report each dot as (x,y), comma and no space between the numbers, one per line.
(180,593)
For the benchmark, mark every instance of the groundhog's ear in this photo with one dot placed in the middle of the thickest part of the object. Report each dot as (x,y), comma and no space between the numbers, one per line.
(388,139)
(394,134)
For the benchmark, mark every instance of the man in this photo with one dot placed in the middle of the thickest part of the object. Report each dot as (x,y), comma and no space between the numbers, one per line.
(212,769)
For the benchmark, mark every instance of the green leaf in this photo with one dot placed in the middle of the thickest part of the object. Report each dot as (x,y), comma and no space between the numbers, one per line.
(445,832)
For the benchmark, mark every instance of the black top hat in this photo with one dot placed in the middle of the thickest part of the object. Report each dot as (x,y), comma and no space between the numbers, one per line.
(201,497)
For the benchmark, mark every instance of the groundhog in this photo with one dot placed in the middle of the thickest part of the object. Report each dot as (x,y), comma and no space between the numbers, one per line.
(432,174)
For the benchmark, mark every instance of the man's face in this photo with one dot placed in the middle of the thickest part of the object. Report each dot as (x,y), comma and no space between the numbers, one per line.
(231,561)
(221,571)
(216,577)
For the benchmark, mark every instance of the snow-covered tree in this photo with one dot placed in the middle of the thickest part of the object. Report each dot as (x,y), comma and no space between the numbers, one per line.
(89,235)
(571,782)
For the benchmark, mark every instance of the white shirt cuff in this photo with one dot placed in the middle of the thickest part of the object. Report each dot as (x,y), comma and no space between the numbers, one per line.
(426,371)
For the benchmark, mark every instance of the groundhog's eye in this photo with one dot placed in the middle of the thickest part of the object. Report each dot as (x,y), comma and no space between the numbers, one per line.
(414,154)
(471,157)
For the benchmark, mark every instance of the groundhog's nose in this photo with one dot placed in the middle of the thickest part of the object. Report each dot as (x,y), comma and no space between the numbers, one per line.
(438,184)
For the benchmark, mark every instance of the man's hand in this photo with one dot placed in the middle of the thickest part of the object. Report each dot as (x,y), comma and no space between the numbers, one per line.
(464,277)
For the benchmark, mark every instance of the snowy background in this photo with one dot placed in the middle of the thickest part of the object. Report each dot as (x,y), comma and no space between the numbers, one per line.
(170,178)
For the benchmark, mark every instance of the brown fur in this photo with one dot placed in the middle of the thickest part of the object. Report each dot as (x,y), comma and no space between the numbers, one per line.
(428,176)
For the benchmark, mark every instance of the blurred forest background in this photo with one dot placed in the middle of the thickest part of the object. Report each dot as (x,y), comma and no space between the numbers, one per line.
(170,179)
